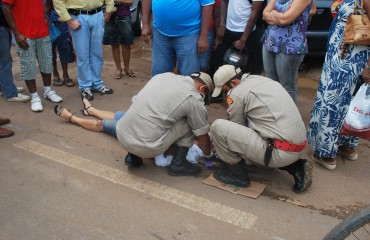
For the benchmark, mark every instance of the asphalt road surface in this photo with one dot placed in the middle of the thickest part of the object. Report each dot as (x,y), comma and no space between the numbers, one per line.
(59,181)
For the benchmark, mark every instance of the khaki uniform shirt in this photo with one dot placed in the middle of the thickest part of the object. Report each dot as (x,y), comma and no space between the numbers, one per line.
(266,107)
(165,100)
(61,6)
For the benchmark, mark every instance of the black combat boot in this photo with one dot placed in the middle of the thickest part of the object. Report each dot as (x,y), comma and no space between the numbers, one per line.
(235,174)
(302,173)
(180,166)
(133,161)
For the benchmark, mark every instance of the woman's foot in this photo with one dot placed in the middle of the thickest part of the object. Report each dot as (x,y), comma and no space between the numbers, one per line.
(130,73)
(348,153)
(63,112)
(118,74)
(326,162)
(87,106)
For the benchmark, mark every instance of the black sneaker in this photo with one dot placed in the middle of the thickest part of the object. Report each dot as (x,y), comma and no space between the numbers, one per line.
(86,93)
(103,90)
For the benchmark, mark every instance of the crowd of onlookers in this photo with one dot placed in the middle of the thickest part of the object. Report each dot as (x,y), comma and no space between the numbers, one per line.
(186,37)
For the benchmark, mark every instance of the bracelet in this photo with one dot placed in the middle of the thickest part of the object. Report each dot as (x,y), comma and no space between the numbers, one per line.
(209,156)
(367,67)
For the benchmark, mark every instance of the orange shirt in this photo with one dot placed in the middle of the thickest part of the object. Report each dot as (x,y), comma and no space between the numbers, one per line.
(29,17)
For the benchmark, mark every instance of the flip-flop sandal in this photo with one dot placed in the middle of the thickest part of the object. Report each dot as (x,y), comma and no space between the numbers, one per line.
(118,75)
(130,73)
(57,81)
(69,82)
(85,111)
(58,109)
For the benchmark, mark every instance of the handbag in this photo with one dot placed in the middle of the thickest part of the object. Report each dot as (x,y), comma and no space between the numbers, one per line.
(357,120)
(357,30)
(54,31)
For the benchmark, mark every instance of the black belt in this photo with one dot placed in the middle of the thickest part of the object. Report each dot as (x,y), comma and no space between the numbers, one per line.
(86,12)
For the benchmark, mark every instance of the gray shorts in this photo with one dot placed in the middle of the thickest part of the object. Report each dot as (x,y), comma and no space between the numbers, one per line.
(39,48)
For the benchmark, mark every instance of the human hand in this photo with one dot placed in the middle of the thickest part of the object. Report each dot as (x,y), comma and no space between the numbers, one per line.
(366,75)
(202,44)
(21,41)
(145,33)
(239,44)
(107,16)
(74,24)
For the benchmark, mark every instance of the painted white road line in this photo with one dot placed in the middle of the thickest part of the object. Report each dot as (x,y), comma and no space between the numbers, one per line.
(189,201)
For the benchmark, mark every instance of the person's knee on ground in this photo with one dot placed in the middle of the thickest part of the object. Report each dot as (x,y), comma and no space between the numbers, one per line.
(301,170)
(180,166)
(235,174)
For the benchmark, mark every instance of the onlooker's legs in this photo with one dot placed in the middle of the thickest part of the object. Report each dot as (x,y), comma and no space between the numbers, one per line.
(162,53)
(81,44)
(6,76)
(186,48)
(126,40)
(96,25)
(269,64)
(287,69)
(204,58)
(254,45)
(117,60)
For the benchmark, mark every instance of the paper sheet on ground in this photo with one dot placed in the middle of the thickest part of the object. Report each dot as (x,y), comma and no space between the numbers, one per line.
(253,191)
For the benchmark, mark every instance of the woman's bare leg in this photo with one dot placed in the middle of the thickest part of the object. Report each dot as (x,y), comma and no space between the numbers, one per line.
(89,124)
(100,114)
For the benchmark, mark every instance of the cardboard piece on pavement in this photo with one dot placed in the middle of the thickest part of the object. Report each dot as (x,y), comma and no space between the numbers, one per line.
(253,191)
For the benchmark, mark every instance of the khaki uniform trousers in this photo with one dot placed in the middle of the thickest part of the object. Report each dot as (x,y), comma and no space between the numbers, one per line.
(233,141)
(180,134)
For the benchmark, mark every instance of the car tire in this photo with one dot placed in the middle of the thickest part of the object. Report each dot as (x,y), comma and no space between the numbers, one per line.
(136,27)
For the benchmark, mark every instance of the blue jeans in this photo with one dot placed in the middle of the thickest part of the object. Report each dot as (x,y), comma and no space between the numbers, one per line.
(166,50)
(109,126)
(283,68)
(204,58)
(6,76)
(87,42)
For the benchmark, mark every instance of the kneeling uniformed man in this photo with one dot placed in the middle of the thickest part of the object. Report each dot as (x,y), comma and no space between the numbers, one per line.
(168,110)
(264,126)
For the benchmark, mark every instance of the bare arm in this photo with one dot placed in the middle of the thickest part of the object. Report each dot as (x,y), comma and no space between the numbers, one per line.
(220,31)
(203,37)
(19,37)
(366,71)
(294,11)
(146,13)
(312,11)
(266,12)
(256,9)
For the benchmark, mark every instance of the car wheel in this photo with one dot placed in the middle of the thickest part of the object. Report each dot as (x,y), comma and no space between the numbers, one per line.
(136,27)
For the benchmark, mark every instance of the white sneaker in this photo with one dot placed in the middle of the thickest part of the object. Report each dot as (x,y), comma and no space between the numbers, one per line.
(52,96)
(19,89)
(20,98)
(36,105)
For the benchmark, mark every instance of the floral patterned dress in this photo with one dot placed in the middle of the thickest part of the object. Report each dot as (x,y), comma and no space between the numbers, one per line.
(339,75)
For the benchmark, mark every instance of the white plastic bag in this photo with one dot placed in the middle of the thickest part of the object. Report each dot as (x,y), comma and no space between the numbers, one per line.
(357,120)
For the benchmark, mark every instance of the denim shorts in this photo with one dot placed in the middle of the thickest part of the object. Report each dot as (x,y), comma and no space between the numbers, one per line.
(118,30)
(109,126)
(40,49)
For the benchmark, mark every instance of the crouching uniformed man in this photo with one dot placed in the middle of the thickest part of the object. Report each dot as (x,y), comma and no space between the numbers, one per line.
(168,110)
(264,126)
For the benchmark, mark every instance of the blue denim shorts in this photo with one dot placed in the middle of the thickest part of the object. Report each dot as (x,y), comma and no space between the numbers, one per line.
(118,30)
(109,126)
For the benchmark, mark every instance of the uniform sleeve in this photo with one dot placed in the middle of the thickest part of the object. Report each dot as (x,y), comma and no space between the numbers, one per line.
(196,115)
(236,110)
(61,10)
